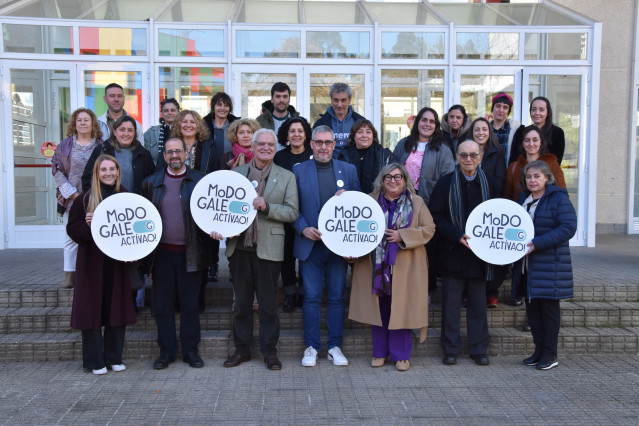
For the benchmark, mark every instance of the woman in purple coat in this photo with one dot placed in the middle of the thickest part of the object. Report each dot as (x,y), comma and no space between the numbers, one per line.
(102,296)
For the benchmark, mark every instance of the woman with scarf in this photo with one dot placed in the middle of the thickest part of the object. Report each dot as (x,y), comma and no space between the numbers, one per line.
(240,134)
(366,153)
(102,296)
(155,136)
(67,166)
(390,285)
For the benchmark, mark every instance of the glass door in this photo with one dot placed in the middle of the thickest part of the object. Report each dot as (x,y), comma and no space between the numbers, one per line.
(41,101)
(567,93)
(252,87)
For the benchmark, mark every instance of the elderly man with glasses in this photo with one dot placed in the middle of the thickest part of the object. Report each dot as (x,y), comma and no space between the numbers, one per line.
(453,199)
(318,179)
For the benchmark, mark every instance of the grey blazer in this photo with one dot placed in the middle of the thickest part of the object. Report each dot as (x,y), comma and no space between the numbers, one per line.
(280,194)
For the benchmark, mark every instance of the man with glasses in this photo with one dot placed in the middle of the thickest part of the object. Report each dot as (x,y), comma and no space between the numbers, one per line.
(180,260)
(318,179)
(453,199)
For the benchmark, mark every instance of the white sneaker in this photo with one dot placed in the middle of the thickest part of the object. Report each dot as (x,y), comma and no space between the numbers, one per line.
(335,354)
(310,357)
(118,367)
(101,371)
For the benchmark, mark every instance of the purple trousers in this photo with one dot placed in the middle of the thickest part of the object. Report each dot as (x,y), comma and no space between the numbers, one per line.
(396,343)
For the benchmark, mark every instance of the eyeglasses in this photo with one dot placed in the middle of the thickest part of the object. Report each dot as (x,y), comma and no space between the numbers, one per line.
(397,178)
(465,155)
(320,143)
(174,151)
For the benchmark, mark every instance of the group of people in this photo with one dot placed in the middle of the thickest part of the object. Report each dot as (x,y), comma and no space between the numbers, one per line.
(430,182)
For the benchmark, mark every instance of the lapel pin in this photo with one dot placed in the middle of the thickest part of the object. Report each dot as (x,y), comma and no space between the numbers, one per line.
(340,183)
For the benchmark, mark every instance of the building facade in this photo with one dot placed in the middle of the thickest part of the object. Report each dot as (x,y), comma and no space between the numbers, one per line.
(58,55)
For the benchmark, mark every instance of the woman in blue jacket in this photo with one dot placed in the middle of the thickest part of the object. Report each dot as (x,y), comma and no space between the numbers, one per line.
(544,275)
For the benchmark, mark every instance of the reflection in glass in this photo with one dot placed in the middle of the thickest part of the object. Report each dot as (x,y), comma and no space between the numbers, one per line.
(477,92)
(179,42)
(113,41)
(404,93)
(338,44)
(256,89)
(193,87)
(564,93)
(320,86)
(259,44)
(549,46)
(40,109)
(497,46)
(409,45)
(37,39)
(131,81)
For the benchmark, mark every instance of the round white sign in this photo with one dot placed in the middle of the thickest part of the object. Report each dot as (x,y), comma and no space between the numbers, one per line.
(126,226)
(223,202)
(352,224)
(499,231)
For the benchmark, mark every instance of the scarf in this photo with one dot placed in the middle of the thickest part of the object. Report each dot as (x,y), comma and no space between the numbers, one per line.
(241,156)
(456,205)
(398,214)
(255,174)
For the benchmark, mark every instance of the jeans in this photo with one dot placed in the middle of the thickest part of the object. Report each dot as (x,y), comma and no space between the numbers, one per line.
(321,266)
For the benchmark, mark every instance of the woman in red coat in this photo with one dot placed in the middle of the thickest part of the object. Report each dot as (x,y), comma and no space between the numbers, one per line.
(102,294)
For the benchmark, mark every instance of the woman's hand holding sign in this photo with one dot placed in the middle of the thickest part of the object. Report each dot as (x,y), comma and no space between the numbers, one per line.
(464,241)
(88,218)
(392,236)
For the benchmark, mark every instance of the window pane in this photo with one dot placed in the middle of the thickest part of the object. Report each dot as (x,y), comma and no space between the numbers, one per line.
(333,13)
(40,109)
(320,86)
(477,92)
(259,44)
(333,44)
(192,87)
(404,45)
(37,39)
(198,11)
(256,89)
(402,14)
(269,12)
(498,46)
(131,81)
(556,46)
(404,93)
(113,41)
(177,42)
(564,93)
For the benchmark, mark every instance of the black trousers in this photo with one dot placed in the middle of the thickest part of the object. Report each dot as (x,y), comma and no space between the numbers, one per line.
(544,317)
(171,282)
(476,321)
(98,353)
(289,276)
(252,275)
(499,274)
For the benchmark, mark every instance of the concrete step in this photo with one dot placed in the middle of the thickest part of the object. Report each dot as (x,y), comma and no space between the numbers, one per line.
(573,314)
(217,345)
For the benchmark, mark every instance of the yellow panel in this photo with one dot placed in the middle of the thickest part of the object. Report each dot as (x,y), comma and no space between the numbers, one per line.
(115,41)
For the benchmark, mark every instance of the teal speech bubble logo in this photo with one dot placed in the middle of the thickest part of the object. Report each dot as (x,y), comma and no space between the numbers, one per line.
(143,226)
(239,207)
(514,234)
(367,226)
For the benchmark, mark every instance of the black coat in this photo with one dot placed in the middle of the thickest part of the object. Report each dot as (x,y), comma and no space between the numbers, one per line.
(197,241)
(454,259)
(205,157)
(556,144)
(493,164)
(143,165)
(209,119)
(368,168)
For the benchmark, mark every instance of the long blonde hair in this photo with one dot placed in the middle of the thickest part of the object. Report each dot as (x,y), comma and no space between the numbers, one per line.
(95,194)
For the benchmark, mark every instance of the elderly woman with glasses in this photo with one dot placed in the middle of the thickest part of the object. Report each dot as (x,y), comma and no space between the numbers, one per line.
(390,285)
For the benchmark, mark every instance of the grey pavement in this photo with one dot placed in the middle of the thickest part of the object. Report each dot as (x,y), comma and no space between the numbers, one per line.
(581,390)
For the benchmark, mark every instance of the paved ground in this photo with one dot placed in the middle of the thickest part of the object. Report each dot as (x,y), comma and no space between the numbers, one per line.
(582,390)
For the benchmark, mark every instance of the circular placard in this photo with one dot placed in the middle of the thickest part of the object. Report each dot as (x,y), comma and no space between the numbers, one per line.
(126,226)
(223,202)
(499,231)
(352,224)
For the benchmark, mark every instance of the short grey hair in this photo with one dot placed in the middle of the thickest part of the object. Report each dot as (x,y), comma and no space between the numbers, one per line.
(340,88)
(322,129)
(261,132)
(543,167)
(378,185)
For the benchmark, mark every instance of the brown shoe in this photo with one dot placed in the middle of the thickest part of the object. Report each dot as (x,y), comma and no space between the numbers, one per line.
(69,280)
(236,359)
(272,362)
(377,362)
(402,365)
